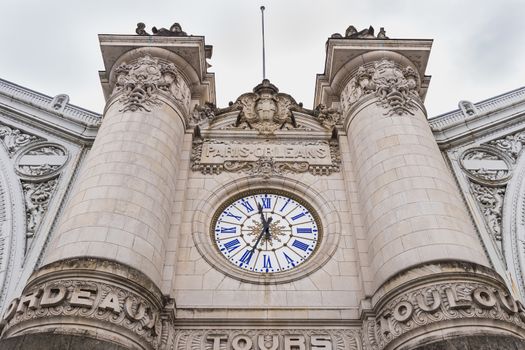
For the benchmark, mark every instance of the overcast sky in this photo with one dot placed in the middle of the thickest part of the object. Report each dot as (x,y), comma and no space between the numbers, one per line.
(479,51)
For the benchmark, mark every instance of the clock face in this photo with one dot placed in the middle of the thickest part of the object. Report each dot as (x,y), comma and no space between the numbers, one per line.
(266,232)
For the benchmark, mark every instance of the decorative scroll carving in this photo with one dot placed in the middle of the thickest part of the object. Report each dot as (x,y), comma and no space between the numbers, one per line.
(265,110)
(265,159)
(486,165)
(79,293)
(14,139)
(395,88)
(41,160)
(175,30)
(266,339)
(139,84)
(37,196)
(490,202)
(511,145)
(440,302)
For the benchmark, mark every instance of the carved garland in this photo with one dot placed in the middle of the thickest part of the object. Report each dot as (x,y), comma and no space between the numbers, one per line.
(395,88)
(141,83)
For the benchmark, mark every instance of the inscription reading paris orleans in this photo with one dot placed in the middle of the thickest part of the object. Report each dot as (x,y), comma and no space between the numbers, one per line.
(266,232)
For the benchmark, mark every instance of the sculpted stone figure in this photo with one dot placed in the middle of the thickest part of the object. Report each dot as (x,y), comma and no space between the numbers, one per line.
(175,30)
(352,33)
(367,33)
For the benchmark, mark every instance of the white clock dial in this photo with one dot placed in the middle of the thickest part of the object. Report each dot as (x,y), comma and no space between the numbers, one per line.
(266,232)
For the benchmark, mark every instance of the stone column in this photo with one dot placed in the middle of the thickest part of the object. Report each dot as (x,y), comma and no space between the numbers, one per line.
(426,260)
(101,275)
(411,204)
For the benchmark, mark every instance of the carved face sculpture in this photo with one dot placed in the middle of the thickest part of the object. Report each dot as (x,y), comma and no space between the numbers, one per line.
(266,232)
(266,108)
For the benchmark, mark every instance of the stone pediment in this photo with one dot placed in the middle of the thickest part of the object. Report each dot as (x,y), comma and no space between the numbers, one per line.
(265,111)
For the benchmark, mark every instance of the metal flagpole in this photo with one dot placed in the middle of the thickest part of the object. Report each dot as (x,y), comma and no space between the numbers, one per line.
(263,53)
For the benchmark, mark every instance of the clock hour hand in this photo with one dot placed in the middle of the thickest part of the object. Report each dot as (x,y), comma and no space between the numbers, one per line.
(264,232)
(265,229)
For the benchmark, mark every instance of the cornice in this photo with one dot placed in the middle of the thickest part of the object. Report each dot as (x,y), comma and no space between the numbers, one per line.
(459,126)
(68,118)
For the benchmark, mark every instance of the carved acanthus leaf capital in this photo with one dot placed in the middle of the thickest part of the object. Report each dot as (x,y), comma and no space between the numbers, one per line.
(141,83)
(395,88)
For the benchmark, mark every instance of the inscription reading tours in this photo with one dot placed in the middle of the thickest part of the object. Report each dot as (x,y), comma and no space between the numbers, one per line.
(271,342)
(266,233)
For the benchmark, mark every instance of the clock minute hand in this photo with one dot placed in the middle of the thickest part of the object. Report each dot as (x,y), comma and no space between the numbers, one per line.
(263,220)
(265,228)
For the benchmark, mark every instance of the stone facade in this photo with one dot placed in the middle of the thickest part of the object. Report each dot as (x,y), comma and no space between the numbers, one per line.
(115,218)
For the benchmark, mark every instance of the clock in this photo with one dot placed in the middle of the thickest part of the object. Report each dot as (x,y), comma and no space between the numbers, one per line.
(266,232)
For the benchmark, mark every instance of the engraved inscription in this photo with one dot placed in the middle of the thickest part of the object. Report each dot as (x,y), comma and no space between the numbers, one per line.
(265,158)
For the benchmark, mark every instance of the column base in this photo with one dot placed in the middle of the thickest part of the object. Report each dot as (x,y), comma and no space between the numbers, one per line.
(54,341)
(438,305)
(87,303)
(476,343)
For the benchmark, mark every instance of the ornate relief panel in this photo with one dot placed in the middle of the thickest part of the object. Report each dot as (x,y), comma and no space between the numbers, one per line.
(494,170)
(267,339)
(265,158)
(395,87)
(140,83)
(32,166)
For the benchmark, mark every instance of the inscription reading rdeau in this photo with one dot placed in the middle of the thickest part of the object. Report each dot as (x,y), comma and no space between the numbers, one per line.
(314,153)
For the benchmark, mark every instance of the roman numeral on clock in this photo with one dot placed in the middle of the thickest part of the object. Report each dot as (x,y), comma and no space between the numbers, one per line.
(246,257)
(289,260)
(247,206)
(304,230)
(232,245)
(266,202)
(267,262)
(229,229)
(300,215)
(238,218)
(301,245)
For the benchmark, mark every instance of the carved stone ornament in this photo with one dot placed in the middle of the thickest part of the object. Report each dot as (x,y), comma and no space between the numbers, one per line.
(395,88)
(79,293)
(37,196)
(265,159)
(265,110)
(490,202)
(13,139)
(140,84)
(41,161)
(267,339)
(431,305)
(202,114)
(486,165)
(511,145)
(328,117)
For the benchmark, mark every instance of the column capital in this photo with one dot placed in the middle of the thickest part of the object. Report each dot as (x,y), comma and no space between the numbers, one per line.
(345,56)
(185,55)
